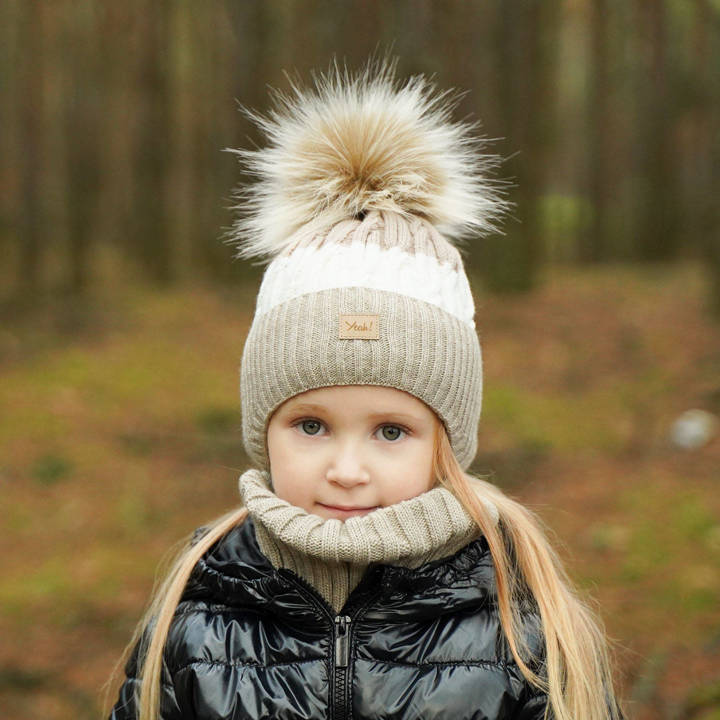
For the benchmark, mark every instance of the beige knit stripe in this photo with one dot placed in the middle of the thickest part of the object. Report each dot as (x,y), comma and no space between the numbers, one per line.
(355,575)
(367,542)
(340,233)
(422,350)
(330,540)
(342,552)
(393,546)
(327,577)
(461,398)
(403,524)
(361,234)
(428,527)
(270,548)
(437,392)
(385,229)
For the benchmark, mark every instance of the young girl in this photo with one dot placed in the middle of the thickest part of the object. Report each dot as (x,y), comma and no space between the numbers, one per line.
(366,574)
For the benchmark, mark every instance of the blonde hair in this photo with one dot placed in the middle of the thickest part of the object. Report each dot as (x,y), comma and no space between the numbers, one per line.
(576,667)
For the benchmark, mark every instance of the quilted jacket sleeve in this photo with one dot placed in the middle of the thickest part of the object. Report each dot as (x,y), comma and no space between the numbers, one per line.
(533,708)
(126,707)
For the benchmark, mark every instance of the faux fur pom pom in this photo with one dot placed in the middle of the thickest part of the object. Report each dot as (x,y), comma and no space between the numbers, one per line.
(360,142)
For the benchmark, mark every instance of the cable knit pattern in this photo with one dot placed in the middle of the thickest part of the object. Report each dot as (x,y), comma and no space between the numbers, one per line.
(383,252)
(333,555)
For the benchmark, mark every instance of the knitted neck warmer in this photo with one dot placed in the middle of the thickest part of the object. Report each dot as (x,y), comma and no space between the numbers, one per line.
(332,555)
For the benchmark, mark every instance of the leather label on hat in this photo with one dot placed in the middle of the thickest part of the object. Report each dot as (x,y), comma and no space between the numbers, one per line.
(365,327)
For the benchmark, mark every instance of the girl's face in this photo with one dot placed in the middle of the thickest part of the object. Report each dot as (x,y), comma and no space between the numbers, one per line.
(346,450)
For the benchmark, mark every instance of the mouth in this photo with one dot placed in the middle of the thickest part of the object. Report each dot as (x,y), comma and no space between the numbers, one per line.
(342,512)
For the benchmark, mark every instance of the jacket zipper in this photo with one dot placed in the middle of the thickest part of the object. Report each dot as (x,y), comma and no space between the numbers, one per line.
(342,640)
(342,636)
(342,658)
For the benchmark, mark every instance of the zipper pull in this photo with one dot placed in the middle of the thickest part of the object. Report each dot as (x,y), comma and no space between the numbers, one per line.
(342,640)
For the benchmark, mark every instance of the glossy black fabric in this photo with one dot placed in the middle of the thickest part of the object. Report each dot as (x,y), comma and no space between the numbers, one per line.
(249,641)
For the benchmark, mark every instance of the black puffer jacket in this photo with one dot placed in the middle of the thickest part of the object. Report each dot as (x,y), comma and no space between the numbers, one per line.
(249,641)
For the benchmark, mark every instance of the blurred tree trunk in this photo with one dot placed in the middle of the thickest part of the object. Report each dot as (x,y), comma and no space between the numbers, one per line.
(657,231)
(82,118)
(9,155)
(211,62)
(30,109)
(461,56)
(260,37)
(595,248)
(150,242)
(526,42)
(705,159)
(359,20)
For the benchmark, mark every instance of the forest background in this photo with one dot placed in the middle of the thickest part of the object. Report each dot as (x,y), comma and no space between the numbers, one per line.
(123,313)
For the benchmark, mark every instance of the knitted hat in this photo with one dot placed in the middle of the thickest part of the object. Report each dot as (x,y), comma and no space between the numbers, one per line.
(360,190)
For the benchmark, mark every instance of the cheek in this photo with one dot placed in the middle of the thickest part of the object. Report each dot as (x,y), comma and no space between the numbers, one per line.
(295,489)
(281,486)
(425,466)
(280,445)
(290,478)
(416,470)
(279,474)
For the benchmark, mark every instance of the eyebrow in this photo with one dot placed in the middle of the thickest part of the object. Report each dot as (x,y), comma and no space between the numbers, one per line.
(312,408)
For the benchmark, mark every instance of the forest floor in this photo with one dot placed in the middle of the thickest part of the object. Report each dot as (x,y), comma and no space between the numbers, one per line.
(120,434)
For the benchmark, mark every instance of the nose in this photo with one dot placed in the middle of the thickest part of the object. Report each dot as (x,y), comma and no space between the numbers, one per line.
(347,467)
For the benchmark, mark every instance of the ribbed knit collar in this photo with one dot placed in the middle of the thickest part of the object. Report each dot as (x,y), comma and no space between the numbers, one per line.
(333,555)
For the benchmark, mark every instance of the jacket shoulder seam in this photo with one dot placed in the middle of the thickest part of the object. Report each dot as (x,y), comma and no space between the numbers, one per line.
(501,664)
(199,606)
(242,664)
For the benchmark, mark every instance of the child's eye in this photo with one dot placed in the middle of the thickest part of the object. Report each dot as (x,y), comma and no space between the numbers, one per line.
(310,427)
(391,432)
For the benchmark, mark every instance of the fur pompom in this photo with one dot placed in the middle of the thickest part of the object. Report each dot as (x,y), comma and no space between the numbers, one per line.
(356,143)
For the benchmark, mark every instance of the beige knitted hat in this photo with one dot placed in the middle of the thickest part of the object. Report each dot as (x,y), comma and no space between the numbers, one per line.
(360,188)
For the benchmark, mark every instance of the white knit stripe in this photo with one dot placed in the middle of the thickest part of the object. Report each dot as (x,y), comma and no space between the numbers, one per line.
(312,269)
